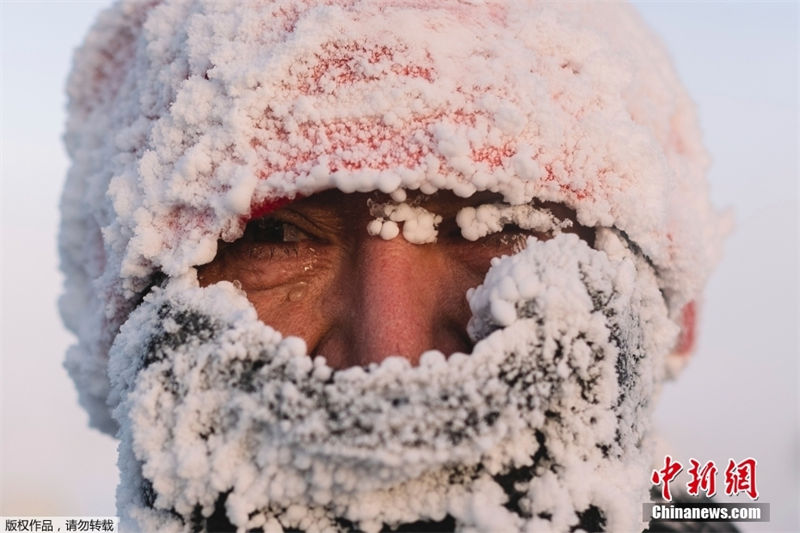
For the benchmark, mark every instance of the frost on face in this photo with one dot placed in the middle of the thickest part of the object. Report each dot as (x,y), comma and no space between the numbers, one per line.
(477,222)
(419,224)
(188,118)
(542,427)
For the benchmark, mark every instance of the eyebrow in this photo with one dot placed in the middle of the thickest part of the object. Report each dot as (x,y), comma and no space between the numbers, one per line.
(316,209)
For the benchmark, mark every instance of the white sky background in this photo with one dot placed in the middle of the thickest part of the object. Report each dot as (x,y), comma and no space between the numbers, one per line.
(738,398)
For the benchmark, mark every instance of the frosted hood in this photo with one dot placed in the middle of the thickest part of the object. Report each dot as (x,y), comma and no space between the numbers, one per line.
(186,119)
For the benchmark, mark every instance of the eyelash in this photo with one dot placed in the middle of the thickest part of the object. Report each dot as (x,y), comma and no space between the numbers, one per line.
(264,240)
(271,251)
(274,231)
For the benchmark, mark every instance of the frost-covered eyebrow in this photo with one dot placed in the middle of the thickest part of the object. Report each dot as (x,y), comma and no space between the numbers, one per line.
(443,203)
(335,213)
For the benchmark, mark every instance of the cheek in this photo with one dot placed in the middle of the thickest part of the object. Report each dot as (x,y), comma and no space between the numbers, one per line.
(382,298)
(300,307)
(289,294)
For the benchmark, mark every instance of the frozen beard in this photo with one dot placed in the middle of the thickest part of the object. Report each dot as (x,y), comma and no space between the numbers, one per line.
(543,427)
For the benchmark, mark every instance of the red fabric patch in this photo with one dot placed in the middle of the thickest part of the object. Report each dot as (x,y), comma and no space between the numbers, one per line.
(268,206)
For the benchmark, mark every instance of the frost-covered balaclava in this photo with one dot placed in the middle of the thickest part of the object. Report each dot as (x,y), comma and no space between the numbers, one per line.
(189,118)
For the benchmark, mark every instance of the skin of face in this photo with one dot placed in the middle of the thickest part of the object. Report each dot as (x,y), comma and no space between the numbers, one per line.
(312,270)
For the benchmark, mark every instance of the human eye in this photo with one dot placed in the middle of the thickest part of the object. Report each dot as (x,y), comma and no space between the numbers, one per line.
(273,251)
(279,239)
(481,232)
(270,230)
(512,238)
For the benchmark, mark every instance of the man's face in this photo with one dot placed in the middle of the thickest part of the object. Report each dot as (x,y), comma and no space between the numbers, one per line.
(313,270)
(563,339)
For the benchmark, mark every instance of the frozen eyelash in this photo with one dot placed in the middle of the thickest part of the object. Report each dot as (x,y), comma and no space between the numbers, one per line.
(477,222)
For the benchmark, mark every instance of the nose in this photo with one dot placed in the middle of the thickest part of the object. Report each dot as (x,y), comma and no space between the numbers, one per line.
(404,299)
